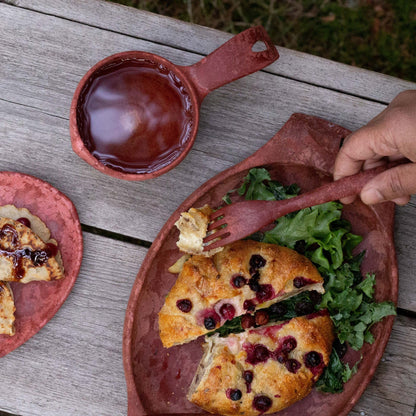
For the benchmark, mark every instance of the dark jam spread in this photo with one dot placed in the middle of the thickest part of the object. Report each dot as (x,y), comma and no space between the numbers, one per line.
(135,116)
(17,253)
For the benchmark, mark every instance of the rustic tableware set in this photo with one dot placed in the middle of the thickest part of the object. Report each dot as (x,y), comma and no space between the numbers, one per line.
(135,116)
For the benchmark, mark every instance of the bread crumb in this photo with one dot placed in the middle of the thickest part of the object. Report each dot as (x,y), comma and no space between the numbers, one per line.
(193,226)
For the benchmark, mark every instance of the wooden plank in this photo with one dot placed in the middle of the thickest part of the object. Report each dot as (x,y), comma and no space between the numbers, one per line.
(73,366)
(292,64)
(405,250)
(392,390)
(36,91)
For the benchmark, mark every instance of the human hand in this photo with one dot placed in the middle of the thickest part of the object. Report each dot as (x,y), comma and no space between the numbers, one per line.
(389,136)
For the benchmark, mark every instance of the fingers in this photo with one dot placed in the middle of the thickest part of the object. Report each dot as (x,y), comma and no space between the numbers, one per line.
(389,136)
(396,184)
(369,144)
(356,154)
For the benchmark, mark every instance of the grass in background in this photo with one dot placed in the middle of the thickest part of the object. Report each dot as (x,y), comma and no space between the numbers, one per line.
(374,34)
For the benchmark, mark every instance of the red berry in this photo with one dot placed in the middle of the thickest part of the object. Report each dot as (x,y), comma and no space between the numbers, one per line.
(227,311)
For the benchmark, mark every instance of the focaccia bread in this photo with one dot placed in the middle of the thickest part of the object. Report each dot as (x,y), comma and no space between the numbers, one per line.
(193,226)
(35,223)
(245,275)
(262,370)
(7,310)
(24,256)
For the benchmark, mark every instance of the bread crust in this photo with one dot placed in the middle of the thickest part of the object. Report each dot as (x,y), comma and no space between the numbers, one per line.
(225,360)
(7,309)
(207,283)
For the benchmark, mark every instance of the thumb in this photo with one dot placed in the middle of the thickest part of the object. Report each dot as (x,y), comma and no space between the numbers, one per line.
(393,184)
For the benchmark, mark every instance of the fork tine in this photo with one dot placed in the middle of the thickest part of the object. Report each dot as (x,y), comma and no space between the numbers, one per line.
(217,234)
(216,214)
(218,243)
(216,224)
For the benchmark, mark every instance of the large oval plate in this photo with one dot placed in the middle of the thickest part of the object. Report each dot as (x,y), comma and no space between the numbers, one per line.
(302,152)
(37,302)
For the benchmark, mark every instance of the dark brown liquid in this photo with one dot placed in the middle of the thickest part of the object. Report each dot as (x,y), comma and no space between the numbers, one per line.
(135,116)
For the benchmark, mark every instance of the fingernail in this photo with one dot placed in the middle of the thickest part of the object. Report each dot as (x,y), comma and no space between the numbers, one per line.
(371,196)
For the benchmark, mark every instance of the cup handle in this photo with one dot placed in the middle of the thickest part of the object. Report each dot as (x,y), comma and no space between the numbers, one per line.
(233,60)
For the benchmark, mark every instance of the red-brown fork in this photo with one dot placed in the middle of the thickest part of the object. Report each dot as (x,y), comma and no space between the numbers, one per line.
(241,219)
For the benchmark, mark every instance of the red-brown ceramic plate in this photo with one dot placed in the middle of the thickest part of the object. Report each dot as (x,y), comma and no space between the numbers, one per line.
(37,302)
(302,152)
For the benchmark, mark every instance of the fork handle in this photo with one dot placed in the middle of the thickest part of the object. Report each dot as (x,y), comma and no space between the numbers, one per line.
(347,186)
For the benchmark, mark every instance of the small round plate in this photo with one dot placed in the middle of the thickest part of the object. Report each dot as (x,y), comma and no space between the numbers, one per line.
(37,302)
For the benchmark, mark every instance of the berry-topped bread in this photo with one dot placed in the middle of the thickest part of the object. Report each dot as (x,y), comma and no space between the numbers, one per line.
(7,310)
(262,370)
(27,253)
(243,276)
(193,226)
(24,256)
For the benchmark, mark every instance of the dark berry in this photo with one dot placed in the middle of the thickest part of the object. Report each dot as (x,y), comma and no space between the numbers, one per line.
(51,249)
(39,257)
(262,403)
(24,221)
(210,323)
(247,321)
(227,311)
(265,292)
(299,282)
(254,273)
(248,376)
(293,365)
(341,349)
(313,359)
(304,308)
(278,308)
(184,305)
(261,317)
(289,344)
(238,281)
(315,297)
(300,246)
(234,394)
(257,261)
(280,357)
(257,354)
(260,353)
(249,305)
(254,285)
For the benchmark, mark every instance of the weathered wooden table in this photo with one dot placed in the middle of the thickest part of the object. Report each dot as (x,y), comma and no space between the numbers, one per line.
(73,366)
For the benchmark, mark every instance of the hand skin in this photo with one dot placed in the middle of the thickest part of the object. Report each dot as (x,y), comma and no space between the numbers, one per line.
(389,136)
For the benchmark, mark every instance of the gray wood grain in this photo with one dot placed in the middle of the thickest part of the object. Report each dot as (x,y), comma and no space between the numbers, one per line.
(202,40)
(392,392)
